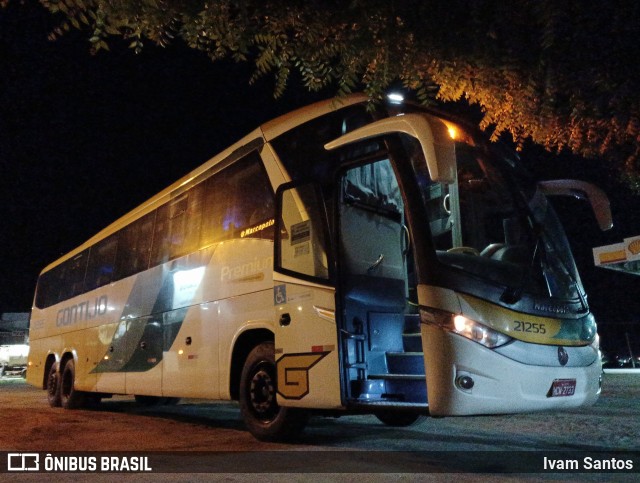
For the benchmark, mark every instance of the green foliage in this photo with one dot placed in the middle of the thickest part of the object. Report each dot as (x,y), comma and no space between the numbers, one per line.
(564,74)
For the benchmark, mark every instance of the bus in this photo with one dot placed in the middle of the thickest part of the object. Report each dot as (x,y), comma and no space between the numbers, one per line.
(339,259)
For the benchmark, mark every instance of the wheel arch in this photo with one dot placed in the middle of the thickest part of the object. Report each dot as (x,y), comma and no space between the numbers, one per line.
(241,349)
(66,355)
(53,358)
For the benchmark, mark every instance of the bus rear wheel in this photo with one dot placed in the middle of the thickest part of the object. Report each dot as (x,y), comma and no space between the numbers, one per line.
(69,396)
(264,418)
(53,387)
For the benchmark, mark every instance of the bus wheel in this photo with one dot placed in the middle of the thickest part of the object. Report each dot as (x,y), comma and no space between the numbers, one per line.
(397,419)
(69,397)
(53,387)
(263,417)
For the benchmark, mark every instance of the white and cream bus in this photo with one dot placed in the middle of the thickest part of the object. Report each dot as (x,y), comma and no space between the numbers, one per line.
(336,260)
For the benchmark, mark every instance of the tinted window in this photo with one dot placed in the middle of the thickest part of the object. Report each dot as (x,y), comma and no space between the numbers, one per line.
(102,260)
(235,203)
(134,246)
(238,203)
(302,149)
(63,282)
(73,275)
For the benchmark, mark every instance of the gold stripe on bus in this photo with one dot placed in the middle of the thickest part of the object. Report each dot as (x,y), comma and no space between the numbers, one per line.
(521,326)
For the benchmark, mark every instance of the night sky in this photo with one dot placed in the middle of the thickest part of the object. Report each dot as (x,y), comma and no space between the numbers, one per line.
(84,139)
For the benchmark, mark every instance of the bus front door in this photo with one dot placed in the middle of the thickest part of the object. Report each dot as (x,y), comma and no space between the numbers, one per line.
(380,291)
(380,331)
(304,300)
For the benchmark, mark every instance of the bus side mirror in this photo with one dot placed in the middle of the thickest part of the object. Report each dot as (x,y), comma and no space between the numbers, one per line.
(584,191)
(440,161)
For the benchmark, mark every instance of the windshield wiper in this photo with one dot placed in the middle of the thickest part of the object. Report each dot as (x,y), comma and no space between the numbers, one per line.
(547,269)
(511,295)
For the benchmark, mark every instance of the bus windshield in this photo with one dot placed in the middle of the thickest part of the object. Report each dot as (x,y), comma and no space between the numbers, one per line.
(496,226)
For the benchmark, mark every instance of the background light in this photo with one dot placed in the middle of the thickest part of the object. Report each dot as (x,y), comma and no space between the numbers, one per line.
(395,97)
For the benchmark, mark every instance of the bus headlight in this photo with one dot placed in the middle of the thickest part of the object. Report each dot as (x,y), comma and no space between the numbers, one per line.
(479,333)
(461,325)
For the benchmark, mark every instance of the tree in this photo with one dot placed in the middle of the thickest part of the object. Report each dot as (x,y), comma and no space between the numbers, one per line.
(561,73)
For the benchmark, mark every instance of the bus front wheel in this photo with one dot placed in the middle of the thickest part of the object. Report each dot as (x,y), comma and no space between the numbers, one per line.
(397,419)
(264,418)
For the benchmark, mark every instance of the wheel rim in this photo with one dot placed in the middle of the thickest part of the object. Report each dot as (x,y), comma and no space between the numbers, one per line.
(262,393)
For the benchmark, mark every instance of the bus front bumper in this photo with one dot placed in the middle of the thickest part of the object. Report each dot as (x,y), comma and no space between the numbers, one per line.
(466,378)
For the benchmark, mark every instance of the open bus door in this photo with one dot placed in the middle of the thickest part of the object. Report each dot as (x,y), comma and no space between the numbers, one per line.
(376,283)
(451,362)
(304,300)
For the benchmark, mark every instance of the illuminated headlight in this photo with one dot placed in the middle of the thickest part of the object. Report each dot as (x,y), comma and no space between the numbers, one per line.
(479,333)
(461,325)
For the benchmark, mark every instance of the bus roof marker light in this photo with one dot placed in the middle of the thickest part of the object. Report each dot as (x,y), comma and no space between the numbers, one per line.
(395,97)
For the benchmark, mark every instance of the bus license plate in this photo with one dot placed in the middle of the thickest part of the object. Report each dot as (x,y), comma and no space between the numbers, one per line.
(563,387)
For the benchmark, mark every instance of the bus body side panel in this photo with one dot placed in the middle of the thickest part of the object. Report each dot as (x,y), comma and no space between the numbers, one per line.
(71,327)
(238,315)
(105,336)
(307,346)
(95,348)
(226,299)
(189,365)
(39,350)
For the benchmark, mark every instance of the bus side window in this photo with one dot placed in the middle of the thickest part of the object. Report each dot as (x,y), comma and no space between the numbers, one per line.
(74,277)
(256,205)
(169,237)
(238,203)
(102,261)
(133,247)
(50,288)
(304,249)
(44,290)
(213,209)
(193,226)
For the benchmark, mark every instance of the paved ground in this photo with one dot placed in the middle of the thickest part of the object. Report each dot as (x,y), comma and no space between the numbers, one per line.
(28,424)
